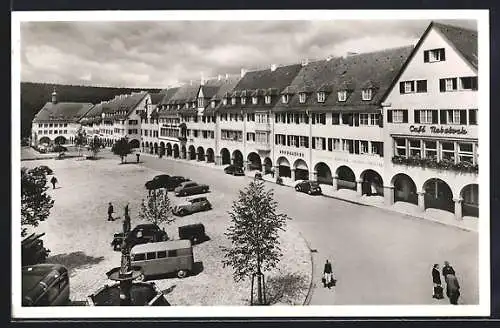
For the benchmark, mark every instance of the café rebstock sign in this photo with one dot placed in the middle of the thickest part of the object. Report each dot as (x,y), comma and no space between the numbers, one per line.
(437,129)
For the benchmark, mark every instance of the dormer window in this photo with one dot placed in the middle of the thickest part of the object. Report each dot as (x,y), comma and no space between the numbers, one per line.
(302,97)
(243,100)
(284,99)
(200,102)
(366,94)
(213,103)
(321,97)
(268,99)
(254,100)
(179,106)
(224,101)
(342,95)
(186,105)
(233,101)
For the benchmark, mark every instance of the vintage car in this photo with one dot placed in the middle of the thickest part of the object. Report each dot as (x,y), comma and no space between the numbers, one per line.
(192,205)
(234,170)
(310,187)
(45,285)
(190,188)
(159,181)
(194,232)
(175,181)
(141,234)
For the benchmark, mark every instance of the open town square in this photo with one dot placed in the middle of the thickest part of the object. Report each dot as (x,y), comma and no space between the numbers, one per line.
(350,179)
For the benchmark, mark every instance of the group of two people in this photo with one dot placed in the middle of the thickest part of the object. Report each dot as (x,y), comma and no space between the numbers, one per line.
(452,286)
(126,221)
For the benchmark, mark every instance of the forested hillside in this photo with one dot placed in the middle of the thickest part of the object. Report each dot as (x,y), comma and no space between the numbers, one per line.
(35,95)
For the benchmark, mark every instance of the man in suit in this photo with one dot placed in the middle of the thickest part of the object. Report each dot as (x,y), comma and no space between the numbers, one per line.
(452,288)
(436,280)
(447,269)
(327,274)
(110,212)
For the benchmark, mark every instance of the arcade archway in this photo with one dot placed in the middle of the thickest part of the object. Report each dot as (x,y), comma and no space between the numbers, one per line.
(210,155)
(301,170)
(254,161)
(284,167)
(324,173)
(201,153)
(226,156)
(372,184)
(405,189)
(238,158)
(438,195)
(470,200)
(346,178)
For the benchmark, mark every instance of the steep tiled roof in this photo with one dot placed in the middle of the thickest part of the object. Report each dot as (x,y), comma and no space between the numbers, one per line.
(62,111)
(375,70)
(126,104)
(260,83)
(186,93)
(156,98)
(464,40)
(169,93)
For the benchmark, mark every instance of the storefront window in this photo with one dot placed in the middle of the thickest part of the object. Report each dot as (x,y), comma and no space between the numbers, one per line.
(415,150)
(363,147)
(400,147)
(448,150)
(465,152)
(430,149)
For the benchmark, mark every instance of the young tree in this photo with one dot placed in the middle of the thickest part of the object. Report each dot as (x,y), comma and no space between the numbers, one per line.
(80,140)
(35,203)
(95,146)
(122,148)
(156,208)
(254,234)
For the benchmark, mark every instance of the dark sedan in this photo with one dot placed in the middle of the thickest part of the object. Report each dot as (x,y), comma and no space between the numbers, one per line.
(190,188)
(141,234)
(159,181)
(234,170)
(175,181)
(310,187)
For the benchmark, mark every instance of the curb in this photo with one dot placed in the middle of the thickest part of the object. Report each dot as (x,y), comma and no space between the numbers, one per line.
(307,300)
(412,216)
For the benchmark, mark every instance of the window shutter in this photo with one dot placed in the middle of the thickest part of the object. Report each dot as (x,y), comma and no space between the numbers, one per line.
(276,118)
(463,117)
(306,142)
(401,87)
(356,146)
(330,148)
(416,116)
(442,56)
(313,143)
(454,84)
(306,118)
(356,119)
(405,116)
(434,117)
(350,119)
(442,85)
(426,56)
(324,143)
(288,140)
(389,116)
(474,83)
(443,116)
(380,120)
(472,117)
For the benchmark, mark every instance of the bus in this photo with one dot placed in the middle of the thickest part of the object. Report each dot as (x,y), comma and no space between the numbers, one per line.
(164,257)
(45,285)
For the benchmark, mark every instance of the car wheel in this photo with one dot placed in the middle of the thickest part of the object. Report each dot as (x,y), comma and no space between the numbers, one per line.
(182,212)
(181,274)
(309,192)
(142,277)
(205,190)
(297,188)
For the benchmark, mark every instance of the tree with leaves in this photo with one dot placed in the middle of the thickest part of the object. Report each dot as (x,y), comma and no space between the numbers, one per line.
(79,139)
(35,203)
(254,235)
(95,146)
(156,208)
(122,148)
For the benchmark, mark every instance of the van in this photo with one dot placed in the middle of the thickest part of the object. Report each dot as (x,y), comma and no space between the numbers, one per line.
(164,257)
(45,285)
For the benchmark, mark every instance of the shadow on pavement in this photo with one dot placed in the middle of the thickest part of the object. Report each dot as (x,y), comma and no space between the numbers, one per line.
(74,260)
(197,269)
(283,289)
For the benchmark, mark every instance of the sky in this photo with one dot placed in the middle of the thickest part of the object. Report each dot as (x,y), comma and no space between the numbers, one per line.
(158,54)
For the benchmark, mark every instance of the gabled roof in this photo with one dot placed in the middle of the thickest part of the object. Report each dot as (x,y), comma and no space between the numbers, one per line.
(186,93)
(156,98)
(352,73)
(464,40)
(168,94)
(62,111)
(126,103)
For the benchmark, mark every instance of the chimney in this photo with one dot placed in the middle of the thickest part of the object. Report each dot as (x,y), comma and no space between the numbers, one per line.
(243,72)
(202,81)
(305,61)
(273,67)
(54,96)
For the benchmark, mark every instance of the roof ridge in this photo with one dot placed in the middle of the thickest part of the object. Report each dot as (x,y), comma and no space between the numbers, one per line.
(454,26)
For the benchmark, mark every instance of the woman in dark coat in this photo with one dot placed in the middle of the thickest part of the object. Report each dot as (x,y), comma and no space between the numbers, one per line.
(452,288)
(328,275)
(436,280)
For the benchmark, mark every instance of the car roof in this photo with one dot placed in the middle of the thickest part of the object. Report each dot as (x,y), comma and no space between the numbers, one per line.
(161,246)
(146,225)
(197,198)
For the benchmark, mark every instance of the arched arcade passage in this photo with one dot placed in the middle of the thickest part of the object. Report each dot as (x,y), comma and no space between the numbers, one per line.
(60,140)
(201,153)
(470,200)
(192,153)
(372,184)
(254,162)
(210,155)
(284,167)
(175,150)
(237,158)
(134,143)
(324,173)
(438,195)
(405,189)
(345,178)
(301,170)
(169,149)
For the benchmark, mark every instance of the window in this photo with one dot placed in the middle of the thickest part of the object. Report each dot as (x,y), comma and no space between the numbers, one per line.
(251,117)
(363,119)
(448,150)
(366,94)
(251,136)
(268,99)
(161,254)
(448,84)
(468,83)
(454,116)
(139,257)
(319,118)
(40,125)
(397,116)
(374,119)
(303,141)
(233,101)
(426,116)
(195,133)
(472,116)
(318,143)
(400,145)
(132,122)
(363,147)
(421,86)
(172,253)
(465,152)
(200,102)
(151,256)
(46,125)
(409,87)
(335,118)
(321,97)
(50,131)
(378,148)
(302,97)
(342,95)
(434,55)
(415,148)
(254,100)
(284,99)
(212,103)
(50,125)
(224,101)
(430,149)
(243,100)
(348,145)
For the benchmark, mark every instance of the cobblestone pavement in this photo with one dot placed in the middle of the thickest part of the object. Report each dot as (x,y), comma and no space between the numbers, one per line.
(379,257)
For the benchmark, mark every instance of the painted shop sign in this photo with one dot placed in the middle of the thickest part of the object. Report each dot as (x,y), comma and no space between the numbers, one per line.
(291,153)
(437,130)
(358,161)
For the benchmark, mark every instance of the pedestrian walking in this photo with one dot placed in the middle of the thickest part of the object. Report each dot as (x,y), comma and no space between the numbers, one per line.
(53,181)
(447,269)
(328,275)
(436,280)
(452,288)
(137,155)
(110,212)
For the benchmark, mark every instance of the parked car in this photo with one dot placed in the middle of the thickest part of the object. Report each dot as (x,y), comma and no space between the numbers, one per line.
(310,187)
(141,234)
(258,176)
(45,285)
(194,232)
(234,170)
(59,149)
(46,169)
(42,148)
(192,205)
(190,188)
(159,181)
(175,181)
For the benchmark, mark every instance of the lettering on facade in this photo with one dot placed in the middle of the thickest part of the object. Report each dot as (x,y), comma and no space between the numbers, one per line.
(437,130)
(291,153)
(355,161)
